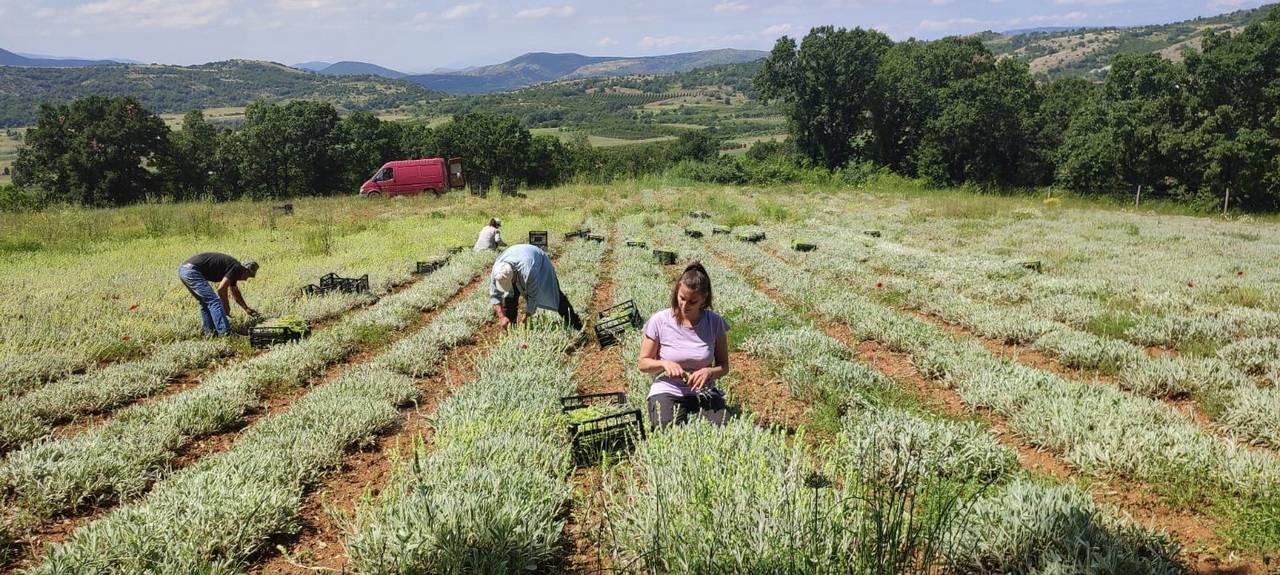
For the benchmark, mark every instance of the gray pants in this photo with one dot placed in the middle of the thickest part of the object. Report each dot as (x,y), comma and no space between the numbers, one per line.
(665,410)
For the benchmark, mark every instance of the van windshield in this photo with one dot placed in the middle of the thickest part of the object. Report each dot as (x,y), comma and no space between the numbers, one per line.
(383,175)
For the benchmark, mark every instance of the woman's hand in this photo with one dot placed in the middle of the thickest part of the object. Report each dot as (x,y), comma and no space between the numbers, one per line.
(503,321)
(698,380)
(673,370)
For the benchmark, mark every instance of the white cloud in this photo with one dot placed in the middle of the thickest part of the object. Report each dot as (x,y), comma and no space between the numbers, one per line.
(940,2)
(618,20)
(458,12)
(731,6)
(1049,18)
(663,42)
(1088,2)
(1231,4)
(949,24)
(776,30)
(154,13)
(724,41)
(546,12)
(606,41)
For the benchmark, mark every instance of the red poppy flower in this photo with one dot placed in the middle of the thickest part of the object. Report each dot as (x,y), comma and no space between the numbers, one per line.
(879,284)
(1190,285)
(126,338)
(524,346)
(133,307)
(1240,273)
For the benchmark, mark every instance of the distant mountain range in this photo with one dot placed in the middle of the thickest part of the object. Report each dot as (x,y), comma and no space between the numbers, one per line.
(537,67)
(8,58)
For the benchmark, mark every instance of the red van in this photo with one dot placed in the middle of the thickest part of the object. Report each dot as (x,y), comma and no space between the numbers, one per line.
(412,177)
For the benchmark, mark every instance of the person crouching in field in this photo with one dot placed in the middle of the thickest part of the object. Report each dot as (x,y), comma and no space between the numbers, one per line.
(490,238)
(686,348)
(523,269)
(197,272)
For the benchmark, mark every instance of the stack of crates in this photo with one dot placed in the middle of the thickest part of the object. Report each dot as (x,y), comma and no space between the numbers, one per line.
(613,322)
(332,282)
(664,257)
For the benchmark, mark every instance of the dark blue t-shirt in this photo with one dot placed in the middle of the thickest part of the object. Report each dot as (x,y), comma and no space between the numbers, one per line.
(215,266)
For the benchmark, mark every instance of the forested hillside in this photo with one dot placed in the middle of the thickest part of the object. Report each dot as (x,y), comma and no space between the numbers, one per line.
(1089,52)
(178,89)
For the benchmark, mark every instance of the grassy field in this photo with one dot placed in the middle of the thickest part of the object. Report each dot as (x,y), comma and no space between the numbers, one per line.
(966,359)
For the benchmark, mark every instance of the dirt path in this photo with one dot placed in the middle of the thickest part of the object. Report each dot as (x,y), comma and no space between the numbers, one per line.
(273,402)
(319,546)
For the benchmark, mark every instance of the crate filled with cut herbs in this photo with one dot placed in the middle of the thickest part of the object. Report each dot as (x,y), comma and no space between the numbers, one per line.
(600,424)
(278,330)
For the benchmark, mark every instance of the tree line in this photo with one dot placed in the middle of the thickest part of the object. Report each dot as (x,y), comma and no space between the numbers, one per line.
(1204,131)
(102,151)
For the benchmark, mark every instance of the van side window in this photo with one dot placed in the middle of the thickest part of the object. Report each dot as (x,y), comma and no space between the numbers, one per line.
(384,175)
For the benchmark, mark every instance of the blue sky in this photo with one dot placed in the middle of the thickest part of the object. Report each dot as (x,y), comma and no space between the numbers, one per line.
(421,36)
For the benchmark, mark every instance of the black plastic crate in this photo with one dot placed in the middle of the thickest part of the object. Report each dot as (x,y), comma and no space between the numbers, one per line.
(872,233)
(719,231)
(614,321)
(626,309)
(266,336)
(804,247)
(538,238)
(613,433)
(699,215)
(314,290)
(695,234)
(575,234)
(595,238)
(637,244)
(334,282)
(752,237)
(664,257)
(428,267)
(572,402)
(455,250)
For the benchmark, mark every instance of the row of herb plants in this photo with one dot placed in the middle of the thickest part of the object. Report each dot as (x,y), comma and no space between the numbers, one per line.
(1219,291)
(489,497)
(32,415)
(1099,430)
(1226,385)
(119,459)
(214,516)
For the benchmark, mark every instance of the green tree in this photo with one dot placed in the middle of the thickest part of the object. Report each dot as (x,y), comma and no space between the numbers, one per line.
(363,144)
(697,145)
(1235,124)
(982,128)
(288,151)
(909,93)
(190,169)
(489,145)
(824,87)
(96,151)
(1059,102)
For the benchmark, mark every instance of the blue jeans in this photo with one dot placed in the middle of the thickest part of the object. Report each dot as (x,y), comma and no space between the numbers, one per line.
(213,317)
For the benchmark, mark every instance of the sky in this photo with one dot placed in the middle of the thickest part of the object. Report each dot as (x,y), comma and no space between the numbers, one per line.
(418,37)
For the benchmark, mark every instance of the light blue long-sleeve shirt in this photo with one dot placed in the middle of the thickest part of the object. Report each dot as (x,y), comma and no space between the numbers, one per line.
(535,278)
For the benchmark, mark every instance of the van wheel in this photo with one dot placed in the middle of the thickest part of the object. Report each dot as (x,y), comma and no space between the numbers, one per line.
(432,192)
(372,195)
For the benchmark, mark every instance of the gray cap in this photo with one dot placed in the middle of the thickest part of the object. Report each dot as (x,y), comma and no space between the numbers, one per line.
(250,265)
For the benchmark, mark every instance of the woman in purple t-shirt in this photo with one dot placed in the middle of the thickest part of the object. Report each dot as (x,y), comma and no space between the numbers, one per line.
(687,349)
